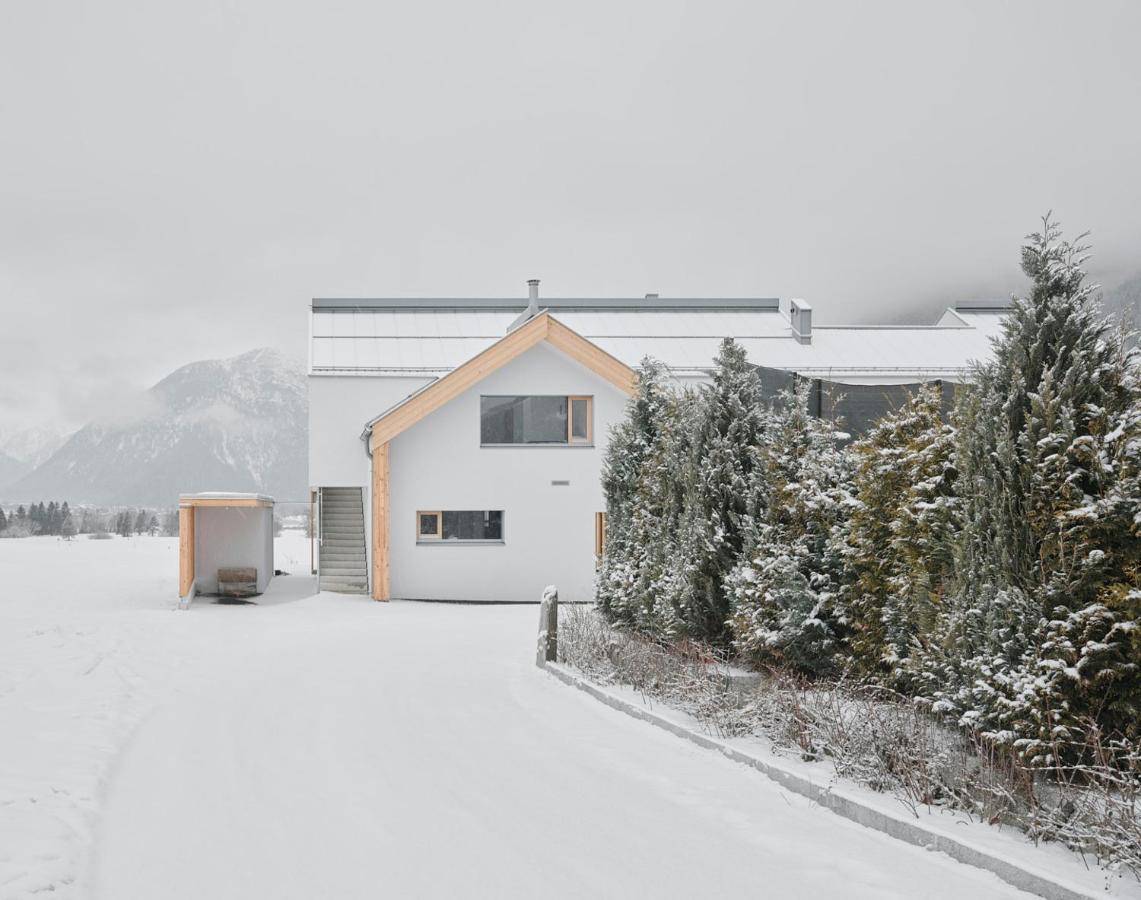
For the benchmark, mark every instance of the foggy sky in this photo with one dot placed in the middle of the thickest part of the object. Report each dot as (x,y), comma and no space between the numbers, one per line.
(178,179)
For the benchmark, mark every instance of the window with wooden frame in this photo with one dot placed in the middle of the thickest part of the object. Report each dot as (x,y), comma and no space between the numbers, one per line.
(580,427)
(536,420)
(428,525)
(476,526)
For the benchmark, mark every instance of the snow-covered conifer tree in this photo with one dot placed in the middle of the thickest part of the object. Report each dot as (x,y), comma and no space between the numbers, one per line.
(722,498)
(623,482)
(1042,628)
(899,543)
(786,589)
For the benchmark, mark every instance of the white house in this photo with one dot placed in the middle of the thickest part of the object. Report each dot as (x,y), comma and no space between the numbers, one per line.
(455,445)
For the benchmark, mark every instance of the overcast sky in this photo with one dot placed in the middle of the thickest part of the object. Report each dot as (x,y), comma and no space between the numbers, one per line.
(177,180)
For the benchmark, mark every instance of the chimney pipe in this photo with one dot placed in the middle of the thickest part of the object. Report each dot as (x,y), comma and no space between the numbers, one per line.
(532,297)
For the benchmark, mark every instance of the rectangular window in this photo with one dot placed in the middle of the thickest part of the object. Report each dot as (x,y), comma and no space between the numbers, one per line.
(459,525)
(537,419)
(427,525)
(579,428)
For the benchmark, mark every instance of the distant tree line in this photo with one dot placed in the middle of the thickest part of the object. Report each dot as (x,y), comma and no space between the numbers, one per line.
(38,518)
(989,566)
(61,520)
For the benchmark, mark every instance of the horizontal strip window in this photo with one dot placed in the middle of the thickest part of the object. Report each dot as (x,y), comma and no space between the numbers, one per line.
(460,525)
(536,419)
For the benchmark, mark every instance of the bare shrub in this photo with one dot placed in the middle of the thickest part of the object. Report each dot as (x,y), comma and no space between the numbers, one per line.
(882,740)
(18,529)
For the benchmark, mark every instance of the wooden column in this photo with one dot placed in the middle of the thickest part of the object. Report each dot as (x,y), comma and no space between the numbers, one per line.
(185,550)
(380,522)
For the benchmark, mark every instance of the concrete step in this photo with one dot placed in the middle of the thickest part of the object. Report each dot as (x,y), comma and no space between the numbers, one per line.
(356,573)
(344,586)
(345,589)
(328,553)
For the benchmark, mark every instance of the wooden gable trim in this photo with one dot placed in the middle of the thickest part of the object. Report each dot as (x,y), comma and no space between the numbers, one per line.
(542,327)
(592,357)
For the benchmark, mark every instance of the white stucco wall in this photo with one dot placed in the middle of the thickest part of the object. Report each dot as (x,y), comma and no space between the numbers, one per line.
(339,407)
(229,537)
(548,530)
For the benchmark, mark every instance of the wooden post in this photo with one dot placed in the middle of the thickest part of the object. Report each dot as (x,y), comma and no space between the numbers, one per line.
(185,550)
(548,647)
(380,521)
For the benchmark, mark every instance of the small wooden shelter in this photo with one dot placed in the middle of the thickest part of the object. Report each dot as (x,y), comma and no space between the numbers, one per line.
(219,531)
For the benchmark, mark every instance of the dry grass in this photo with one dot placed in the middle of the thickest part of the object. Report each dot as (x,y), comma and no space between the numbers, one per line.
(881,740)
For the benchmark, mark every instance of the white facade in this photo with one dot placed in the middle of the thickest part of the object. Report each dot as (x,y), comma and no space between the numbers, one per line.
(548,528)
(339,407)
(367,357)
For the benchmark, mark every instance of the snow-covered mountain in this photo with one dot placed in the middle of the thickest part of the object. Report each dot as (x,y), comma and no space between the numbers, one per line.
(235,424)
(10,469)
(31,446)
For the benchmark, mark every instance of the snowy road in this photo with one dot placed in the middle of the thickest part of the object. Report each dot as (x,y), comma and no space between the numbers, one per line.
(410,750)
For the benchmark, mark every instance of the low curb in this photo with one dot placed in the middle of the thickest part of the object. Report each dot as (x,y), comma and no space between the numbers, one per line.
(911,831)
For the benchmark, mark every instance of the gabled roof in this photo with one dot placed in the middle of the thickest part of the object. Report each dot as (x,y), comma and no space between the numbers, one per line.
(542,327)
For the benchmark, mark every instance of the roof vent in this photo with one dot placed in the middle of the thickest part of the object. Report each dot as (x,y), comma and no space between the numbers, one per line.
(800,318)
(651,296)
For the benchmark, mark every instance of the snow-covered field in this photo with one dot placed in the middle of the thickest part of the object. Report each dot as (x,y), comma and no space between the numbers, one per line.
(328,746)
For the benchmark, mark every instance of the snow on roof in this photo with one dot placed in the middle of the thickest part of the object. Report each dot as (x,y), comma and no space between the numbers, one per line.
(237,498)
(432,337)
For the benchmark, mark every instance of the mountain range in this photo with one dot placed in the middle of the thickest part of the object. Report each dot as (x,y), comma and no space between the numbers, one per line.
(237,424)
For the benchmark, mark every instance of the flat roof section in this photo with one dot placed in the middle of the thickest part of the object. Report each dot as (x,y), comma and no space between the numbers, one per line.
(223,498)
(333,304)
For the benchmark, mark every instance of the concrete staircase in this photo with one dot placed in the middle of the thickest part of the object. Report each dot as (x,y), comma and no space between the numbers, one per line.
(343,566)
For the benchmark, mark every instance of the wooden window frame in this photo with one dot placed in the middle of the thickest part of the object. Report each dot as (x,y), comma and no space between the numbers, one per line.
(589,439)
(571,440)
(439,535)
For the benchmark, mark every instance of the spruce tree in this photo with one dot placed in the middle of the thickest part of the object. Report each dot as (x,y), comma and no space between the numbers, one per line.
(899,542)
(723,497)
(663,580)
(3,519)
(1040,629)
(623,481)
(788,587)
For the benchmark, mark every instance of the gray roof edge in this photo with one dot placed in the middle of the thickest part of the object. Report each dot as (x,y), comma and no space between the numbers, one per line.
(996,306)
(333,304)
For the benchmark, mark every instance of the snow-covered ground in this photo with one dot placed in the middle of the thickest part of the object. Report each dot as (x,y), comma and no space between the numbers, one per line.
(329,746)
